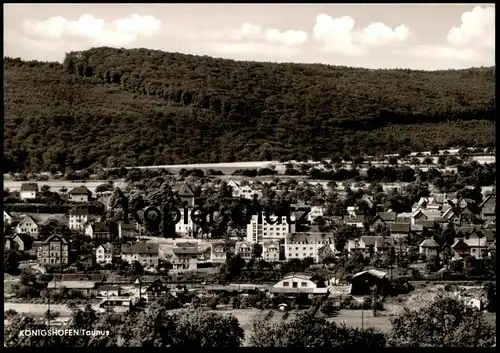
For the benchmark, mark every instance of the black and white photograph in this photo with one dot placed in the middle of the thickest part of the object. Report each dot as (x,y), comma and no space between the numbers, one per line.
(197,175)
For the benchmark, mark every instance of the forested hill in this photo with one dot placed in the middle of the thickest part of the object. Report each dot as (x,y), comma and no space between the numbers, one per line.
(111,107)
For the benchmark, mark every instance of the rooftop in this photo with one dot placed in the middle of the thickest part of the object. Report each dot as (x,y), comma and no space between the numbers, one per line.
(80,190)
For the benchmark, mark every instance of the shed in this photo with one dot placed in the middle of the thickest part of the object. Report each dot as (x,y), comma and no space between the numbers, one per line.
(363,282)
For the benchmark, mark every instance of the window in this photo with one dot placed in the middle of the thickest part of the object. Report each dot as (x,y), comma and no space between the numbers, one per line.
(294,284)
(286,284)
(303,284)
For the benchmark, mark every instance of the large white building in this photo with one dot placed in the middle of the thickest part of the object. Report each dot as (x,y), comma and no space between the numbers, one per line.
(28,191)
(257,232)
(78,219)
(304,245)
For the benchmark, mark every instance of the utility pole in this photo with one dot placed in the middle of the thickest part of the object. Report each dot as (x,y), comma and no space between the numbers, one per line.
(374,298)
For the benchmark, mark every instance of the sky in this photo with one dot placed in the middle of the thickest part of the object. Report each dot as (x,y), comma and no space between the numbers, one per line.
(414,36)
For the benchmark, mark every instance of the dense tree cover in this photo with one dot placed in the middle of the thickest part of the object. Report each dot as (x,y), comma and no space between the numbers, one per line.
(114,107)
(307,331)
(447,322)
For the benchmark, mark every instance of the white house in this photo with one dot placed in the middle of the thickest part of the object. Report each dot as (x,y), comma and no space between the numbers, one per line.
(184,258)
(316,211)
(185,225)
(29,226)
(144,253)
(218,253)
(244,249)
(257,232)
(271,250)
(478,246)
(429,247)
(104,253)
(28,191)
(78,219)
(7,218)
(80,194)
(304,245)
(297,283)
(97,230)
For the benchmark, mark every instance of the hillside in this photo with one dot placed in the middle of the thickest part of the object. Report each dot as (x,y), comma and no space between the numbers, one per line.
(111,107)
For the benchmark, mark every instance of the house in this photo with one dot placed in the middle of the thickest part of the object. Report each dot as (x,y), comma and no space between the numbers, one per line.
(54,251)
(218,254)
(7,218)
(108,290)
(304,245)
(28,191)
(185,258)
(104,254)
(19,242)
(429,247)
(28,225)
(244,249)
(80,194)
(460,249)
(478,246)
(384,217)
(186,194)
(260,229)
(271,251)
(352,211)
(116,305)
(356,221)
(244,191)
(315,212)
(365,282)
(487,209)
(327,251)
(97,230)
(399,230)
(298,283)
(145,253)
(476,303)
(127,230)
(156,290)
(78,218)
(368,245)
(85,262)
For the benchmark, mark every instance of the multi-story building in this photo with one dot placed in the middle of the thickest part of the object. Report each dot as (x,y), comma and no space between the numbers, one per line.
(80,194)
(429,247)
(28,191)
(78,219)
(218,254)
(304,245)
(185,258)
(271,250)
(244,249)
(144,253)
(368,245)
(104,254)
(185,225)
(54,251)
(257,232)
(244,191)
(97,230)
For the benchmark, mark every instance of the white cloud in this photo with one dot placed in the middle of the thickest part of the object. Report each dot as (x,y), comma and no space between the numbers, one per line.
(289,38)
(336,34)
(92,31)
(477,29)
(379,34)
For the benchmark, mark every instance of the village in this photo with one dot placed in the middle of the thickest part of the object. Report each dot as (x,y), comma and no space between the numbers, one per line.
(363,256)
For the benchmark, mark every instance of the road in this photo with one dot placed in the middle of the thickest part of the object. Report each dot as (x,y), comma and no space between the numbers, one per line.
(40,309)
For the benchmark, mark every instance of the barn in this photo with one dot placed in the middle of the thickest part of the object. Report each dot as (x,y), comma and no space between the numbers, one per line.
(363,282)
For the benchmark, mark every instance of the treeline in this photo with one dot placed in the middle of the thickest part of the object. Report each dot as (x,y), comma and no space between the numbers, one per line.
(113,107)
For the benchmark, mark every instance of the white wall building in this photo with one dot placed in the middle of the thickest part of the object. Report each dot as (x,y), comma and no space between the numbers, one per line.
(257,232)
(78,219)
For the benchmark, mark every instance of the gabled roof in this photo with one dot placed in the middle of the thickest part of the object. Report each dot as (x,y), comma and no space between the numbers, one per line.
(460,244)
(185,191)
(185,250)
(377,240)
(78,211)
(476,243)
(108,248)
(387,216)
(140,248)
(376,273)
(427,224)
(6,213)
(429,243)
(27,218)
(55,237)
(80,190)
(157,286)
(31,187)
(100,227)
(399,227)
